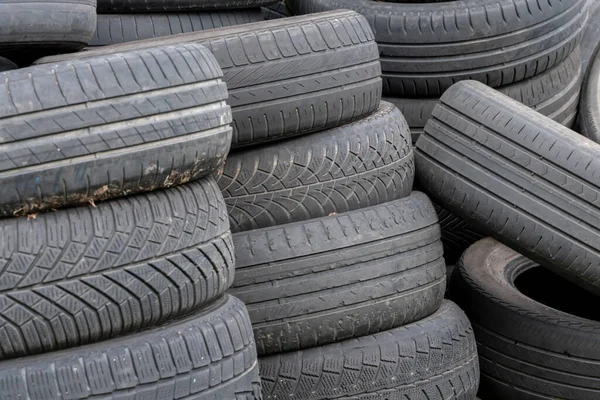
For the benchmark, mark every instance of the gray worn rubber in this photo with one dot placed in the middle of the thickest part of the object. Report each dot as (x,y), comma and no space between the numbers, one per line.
(358,165)
(435,358)
(277,10)
(527,180)
(208,355)
(527,350)
(86,274)
(554,93)
(589,116)
(425,48)
(108,126)
(31,29)
(121,28)
(110,6)
(353,274)
(287,77)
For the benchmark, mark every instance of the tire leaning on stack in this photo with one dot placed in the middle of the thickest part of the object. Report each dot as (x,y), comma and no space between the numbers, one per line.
(286,77)
(537,334)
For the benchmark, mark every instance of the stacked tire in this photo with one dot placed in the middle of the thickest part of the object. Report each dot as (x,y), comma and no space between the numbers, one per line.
(115,246)
(527,49)
(532,184)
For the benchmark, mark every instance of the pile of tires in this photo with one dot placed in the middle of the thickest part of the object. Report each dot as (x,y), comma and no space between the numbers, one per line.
(532,184)
(115,246)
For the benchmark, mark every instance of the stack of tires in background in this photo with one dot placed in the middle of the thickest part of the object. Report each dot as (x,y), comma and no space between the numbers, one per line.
(123,298)
(339,262)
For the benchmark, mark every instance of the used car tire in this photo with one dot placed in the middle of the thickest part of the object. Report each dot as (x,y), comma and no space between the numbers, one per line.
(434,358)
(324,280)
(287,77)
(85,274)
(589,119)
(277,10)
(207,355)
(425,48)
(511,172)
(121,28)
(110,6)
(538,347)
(108,126)
(365,163)
(30,29)
(554,93)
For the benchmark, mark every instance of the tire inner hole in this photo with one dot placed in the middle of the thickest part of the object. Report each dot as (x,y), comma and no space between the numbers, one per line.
(548,288)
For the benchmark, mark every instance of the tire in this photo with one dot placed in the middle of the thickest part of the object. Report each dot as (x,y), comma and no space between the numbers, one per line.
(589,120)
(276,11)
(525,179)
(589,41)
(457,235)
(335,278)
(208,355)
(425,48)
(85,274)
(329,63)
(111,6)
(527,349)
(554,93)
(30,28)
(109,126)
(7,65)
(358,165)
(121,28)
(434,358)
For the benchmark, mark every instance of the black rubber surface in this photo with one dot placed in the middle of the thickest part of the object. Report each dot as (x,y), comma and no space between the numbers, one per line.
(108,6)
(589,116)
(435,358)
(427,47)
(87,130)
(121,28)
(358,165)
(208,355)
(88,273)
(30,29)
(289,76)
(529,181)
(528,348)
(353,274)
(277,10)
(6,64)
(554,93)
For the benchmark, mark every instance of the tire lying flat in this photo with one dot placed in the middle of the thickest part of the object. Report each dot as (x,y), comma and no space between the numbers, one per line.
(209,355)
(527,349)
(358,165)
(109,126)
(524,178)
(554,93)
(425,48)
(434,358)
(30,29)
(111,6)
(335,278)
(121,28)
(289,76)
(86,274)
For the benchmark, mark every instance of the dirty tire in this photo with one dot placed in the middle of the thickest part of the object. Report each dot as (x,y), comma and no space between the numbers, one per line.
(554,93)
(208,355)
(288,77)
(425,48)
(276,11)
(30,28)
(527,180)
(457,235)
(110,6)
(365,163)
(324,280)
(434,358)
(121,28)
(589,117)
(527,349)
(109,126)
(86,274)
